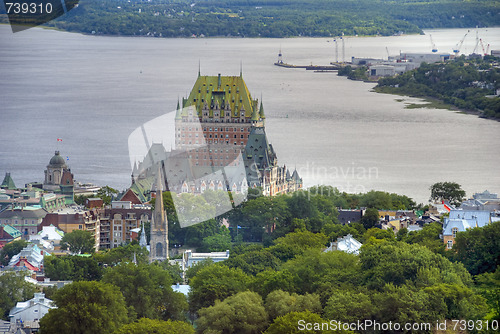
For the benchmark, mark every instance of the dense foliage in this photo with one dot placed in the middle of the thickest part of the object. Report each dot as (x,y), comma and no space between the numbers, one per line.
(478,248)
(149,326)
(464,83)
(13,289)
(278,18)
(86,308)
(267,286)
(78,242)
(10,250)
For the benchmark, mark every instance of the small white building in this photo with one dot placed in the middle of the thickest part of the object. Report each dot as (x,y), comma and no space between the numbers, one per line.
(382,70)
(345,244)
(30,311)
(191,258)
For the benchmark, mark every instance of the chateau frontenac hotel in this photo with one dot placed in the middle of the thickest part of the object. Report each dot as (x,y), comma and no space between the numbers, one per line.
(220,144)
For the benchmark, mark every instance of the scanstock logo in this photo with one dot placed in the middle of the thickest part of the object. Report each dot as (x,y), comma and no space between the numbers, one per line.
(25,14)
(152,150)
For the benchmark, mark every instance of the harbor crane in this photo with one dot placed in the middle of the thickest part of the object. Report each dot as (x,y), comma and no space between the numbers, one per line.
(434,49)
(485,51)
(457,48)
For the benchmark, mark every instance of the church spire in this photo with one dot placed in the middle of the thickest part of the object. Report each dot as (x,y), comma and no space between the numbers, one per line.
(142,240)
(159,226)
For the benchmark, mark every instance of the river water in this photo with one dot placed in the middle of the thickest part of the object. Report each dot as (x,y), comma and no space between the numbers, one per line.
(93,91)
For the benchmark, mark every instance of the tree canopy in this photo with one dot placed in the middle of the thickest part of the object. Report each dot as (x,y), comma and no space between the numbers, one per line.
(279,18)
(150,326)
(242,313)
(147,291)
(78,242)
(11,249)
(86,308)
(13,288)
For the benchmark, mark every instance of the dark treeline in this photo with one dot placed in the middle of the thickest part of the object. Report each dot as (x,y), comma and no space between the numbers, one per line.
(279,18)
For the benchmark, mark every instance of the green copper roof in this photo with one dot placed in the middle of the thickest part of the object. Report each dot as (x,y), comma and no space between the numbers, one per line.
(12,231)
(221,91)
(8,183)
(142,188)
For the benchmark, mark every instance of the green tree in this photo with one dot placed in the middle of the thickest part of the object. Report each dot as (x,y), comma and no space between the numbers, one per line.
(242,313)
(319,272)
(279,303)
(147,290)
(488,285)
(78,242)
(270,280)
(154,326)
(86,308)
(13,288)
(219,242)
(428,236)
(72,268)
(349,306)
(447,191)
(11,249)
(370,218)
(301,323)
(478,248)
(253,262)
(400,263)
(107,194)
(295,243)
(215,282)
(124,253)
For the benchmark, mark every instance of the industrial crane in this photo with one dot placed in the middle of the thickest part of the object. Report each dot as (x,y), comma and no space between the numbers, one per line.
(434,49)
(459,44)
(485,51)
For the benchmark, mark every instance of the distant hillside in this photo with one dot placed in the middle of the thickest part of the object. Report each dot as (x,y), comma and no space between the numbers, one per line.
(274,18)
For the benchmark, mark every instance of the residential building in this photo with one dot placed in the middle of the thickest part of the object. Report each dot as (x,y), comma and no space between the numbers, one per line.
(345,244)
(24,219)
(8,234)
(350,216)
(28,314)
(30,258)
(475,218)
(73,218)
(484,201)
(118,221)
(450,229)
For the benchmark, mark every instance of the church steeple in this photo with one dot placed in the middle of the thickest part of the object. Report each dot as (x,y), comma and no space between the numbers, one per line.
(159,226)
(142,240)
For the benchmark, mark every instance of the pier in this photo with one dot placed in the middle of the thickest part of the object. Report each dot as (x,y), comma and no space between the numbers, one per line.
(317,68)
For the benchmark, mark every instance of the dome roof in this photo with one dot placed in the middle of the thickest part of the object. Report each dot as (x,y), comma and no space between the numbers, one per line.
(57,160)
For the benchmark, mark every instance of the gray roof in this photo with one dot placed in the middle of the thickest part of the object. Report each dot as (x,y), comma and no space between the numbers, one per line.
(473,217)
(461,224)
(26,213)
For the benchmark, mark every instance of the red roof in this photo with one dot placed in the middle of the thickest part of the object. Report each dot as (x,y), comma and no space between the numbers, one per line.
(24,263)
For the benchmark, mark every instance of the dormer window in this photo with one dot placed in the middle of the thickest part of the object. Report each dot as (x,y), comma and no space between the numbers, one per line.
(454,232)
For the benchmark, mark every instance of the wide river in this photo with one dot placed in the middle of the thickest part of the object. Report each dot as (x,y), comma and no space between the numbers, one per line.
(93,91)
